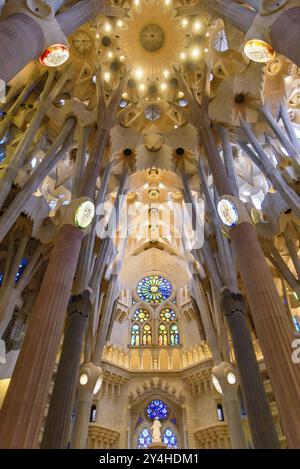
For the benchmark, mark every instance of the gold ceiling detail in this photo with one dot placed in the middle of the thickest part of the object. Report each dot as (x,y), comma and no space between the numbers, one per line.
(152,40)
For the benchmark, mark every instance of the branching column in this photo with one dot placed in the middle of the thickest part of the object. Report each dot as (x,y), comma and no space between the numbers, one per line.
(22,414)
(23,408)
(24,36)
(259,413)
(60,411)
(272,324)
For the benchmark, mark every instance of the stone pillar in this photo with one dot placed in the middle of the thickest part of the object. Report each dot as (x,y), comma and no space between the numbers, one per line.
(62,400)
(274,328)
(259,414)
(24,34)
(231,404)
(86,389)
(21,40)
(284,34)
(24,405)
(82,419)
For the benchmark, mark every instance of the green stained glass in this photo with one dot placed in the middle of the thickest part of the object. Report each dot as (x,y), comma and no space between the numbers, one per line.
(154,289)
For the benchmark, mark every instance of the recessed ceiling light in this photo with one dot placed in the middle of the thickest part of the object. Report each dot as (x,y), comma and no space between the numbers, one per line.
(184,23)
(195,53)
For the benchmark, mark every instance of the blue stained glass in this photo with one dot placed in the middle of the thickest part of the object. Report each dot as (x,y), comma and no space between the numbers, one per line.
(157,409)
(174,335)
(22,266)
(2,153)
(296,323)
(170,439)
(154,289)
(145,438)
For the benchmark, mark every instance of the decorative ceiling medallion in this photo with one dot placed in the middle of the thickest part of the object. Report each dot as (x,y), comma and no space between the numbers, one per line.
(152,40)
(152,37)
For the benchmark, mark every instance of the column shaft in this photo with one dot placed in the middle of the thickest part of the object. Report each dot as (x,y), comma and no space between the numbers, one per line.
(258,409)
(62,401)
(23,408)
(274,329)
(233,414)
(272,324)
(82,420)
(285,34)
(21,40)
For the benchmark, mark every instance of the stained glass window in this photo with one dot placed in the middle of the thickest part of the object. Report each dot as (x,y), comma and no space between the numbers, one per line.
(154,289)
(169,439)
(157,409)
(135,335)
(21,269)
(174,334)
(145,438)
(147,335)
(167,315)
(141,315)
(163,335)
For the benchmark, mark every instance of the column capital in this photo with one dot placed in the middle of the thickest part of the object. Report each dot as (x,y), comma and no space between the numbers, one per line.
(232,302)
(226,376)
(79,213)
(90,378)
(81,303)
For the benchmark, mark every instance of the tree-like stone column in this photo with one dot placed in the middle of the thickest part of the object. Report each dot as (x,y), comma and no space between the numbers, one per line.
(273,327)
(23,408)
(21,40)
(58,421)
(258,410)
(285,34)
(24,35)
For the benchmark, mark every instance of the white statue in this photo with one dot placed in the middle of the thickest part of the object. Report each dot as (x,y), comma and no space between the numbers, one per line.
(156,436)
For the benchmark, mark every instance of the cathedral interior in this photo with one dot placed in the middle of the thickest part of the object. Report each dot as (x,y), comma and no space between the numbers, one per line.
(149,224)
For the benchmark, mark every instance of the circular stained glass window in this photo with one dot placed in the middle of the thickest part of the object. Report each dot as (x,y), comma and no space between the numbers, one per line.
(157,409)
(154,289)
(167,315)
(141,315)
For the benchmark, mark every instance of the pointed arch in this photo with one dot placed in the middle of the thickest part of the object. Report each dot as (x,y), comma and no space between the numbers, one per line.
(169,438)
(163,335)
(174,334)
(135,340)
(144,438)
(147,334)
